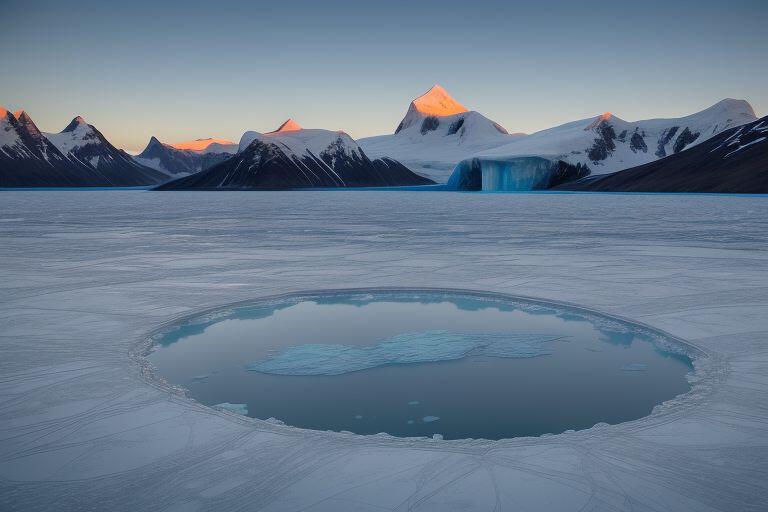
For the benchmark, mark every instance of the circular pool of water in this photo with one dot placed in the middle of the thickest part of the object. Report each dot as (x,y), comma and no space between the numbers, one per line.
(420,363)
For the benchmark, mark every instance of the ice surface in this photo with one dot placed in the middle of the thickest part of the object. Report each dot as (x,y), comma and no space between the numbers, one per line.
(430,419)
(87,275)
(406,348)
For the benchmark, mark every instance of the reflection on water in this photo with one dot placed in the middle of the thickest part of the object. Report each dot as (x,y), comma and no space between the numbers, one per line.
(418,364)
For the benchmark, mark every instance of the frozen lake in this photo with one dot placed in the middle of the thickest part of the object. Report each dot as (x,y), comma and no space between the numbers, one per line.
(88,276)
(423,363)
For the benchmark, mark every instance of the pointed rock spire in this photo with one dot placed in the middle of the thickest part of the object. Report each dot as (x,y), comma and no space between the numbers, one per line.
(289,126)
(24,120)
(437,102)
(74,124)
(606,116)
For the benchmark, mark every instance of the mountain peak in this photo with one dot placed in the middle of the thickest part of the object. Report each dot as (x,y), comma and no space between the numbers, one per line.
(20,113)
(605,116)
(3,111)
(201,144)
(437,102)
(289,126)
(74,124)
(737,106)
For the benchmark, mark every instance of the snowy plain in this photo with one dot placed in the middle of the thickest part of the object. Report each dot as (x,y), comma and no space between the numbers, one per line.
(88,276)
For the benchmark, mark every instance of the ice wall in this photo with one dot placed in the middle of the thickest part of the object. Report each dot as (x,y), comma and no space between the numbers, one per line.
(512,174)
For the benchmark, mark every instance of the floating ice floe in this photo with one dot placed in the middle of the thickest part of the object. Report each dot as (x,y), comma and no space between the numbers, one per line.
(430,419)
(408,348)
(236,408)
(634,367)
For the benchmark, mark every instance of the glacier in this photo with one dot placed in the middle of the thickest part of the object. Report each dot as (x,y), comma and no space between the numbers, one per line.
(514,174)
(405,348)
(85,426)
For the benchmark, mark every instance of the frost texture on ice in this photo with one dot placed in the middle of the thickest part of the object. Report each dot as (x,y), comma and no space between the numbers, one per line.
(407,348)
(86,435)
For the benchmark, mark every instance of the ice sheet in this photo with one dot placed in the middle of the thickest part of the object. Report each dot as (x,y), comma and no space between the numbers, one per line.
(87,275)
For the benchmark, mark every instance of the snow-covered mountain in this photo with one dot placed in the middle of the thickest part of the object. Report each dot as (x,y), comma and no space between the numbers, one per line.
(734,161)
(185,157)
(293,157)
(83,144)
(77,157)
(607,143)
(436,133)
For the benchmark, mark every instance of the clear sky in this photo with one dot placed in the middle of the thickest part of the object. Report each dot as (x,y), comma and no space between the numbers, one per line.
(185,70)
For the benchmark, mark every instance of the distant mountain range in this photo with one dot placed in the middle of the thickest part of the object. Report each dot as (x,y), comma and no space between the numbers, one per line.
(292,157)
(186,157)
(438,139)
(734,161)
(607,143)
(78,156)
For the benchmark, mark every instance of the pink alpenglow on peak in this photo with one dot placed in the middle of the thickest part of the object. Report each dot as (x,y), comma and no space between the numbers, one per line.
(289,126)
(606,116)
(201,144)
(437,102)
(3,111)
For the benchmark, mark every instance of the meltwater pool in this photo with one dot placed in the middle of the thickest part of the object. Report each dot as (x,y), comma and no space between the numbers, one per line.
(421,363)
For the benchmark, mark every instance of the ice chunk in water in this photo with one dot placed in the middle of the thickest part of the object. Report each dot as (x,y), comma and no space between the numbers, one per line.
(430,419)
(409,348)
(236,408)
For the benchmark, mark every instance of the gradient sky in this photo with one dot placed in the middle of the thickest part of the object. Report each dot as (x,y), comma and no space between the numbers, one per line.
(185,70)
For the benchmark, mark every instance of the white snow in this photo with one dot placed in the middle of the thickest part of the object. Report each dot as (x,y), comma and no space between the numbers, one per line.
(66,142)
(8,136)
(570,142)
(300,142)
(759,139)
(433,153)
(436,153)
(152,163)
(89,275)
